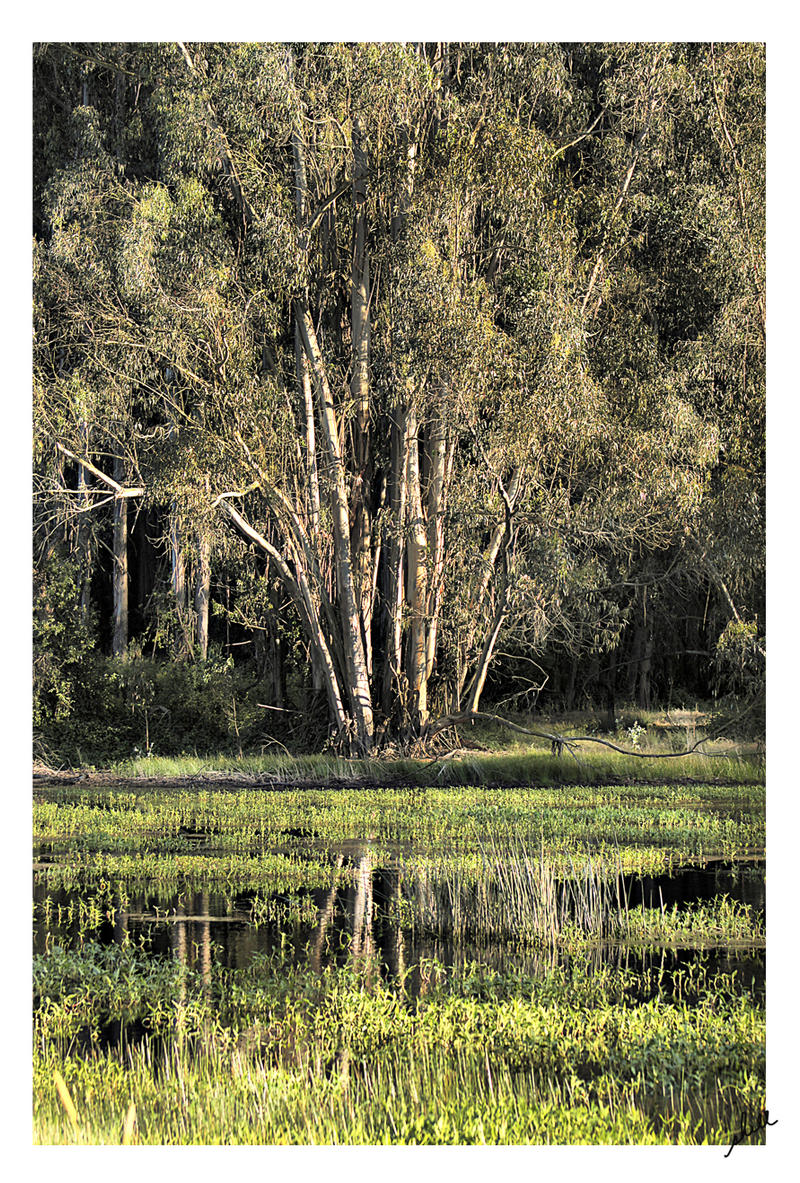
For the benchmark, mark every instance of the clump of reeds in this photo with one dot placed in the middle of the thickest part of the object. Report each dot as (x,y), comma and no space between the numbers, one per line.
(516,893)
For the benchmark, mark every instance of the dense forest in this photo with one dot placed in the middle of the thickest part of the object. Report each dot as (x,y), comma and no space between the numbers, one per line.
(381,383)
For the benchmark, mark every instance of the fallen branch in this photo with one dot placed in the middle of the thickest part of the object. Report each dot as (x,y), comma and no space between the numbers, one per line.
(559,741)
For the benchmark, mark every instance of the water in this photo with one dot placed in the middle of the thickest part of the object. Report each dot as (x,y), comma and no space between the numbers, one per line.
(360,916)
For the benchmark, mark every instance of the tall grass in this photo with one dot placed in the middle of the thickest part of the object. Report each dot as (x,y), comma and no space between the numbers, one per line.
(527,896)
(531,763)
(275,1055)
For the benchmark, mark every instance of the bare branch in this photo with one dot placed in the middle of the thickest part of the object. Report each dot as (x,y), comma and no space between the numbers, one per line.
(562,741)
(120,490)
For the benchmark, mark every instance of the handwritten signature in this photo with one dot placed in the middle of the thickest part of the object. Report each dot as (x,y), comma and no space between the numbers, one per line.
(762,1121)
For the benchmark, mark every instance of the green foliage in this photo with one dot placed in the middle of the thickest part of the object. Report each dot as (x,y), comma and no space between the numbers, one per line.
(135,707)
(63,644)
(739,659)
(566,251)
(284,1056)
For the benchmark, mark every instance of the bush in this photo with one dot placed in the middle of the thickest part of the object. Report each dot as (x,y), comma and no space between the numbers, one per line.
(115,708)
(62,642)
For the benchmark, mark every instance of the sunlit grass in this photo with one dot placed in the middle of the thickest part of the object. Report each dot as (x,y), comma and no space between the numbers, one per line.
(274,1055)
(528,767)
(495,755)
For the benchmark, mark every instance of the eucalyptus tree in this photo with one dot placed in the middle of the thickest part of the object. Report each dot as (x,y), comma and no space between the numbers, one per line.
(431,327)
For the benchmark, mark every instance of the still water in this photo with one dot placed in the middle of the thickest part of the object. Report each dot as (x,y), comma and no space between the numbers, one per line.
(360,916)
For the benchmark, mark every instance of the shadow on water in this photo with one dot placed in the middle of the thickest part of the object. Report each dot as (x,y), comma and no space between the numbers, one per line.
(745,884)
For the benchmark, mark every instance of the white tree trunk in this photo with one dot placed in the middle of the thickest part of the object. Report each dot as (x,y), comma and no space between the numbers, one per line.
(417,588)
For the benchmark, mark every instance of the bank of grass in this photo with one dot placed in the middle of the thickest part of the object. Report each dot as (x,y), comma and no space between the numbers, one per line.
(273,1054)
(487,753)
(531,765)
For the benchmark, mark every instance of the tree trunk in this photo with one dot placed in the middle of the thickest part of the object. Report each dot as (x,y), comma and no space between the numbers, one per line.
(202,594)
(181,642)
(480,591)
(439,468)
(357,676)
(487,652)
(304,382)
(84,533)
(361,534)
(395,551)
(643,695)
(119,640)
(357,672)
(417,586)
(276,652)
(300,592)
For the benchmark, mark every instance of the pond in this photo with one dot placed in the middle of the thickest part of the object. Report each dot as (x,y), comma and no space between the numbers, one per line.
(361,917)
(298,925)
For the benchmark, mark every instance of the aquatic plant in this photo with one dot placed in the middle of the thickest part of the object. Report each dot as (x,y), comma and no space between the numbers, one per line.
(277,1054)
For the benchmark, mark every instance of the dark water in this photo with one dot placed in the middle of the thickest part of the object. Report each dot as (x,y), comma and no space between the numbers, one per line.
(744,883)
(364,919)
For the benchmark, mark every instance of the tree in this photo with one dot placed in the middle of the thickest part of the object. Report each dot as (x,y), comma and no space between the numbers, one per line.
(465,341)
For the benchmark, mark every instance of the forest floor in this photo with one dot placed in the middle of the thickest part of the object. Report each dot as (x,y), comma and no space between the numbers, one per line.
(656,747)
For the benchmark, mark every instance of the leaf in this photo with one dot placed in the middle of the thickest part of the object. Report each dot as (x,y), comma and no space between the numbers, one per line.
(65,1098)
(129,1128)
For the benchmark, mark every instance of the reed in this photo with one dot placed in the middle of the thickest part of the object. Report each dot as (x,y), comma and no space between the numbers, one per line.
(275,1054)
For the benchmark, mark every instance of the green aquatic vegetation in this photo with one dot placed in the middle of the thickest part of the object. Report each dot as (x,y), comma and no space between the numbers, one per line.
(170,822)
(294,911)
(310,1043)
(271,870)
(275,1054)
(510,892)
(717,922)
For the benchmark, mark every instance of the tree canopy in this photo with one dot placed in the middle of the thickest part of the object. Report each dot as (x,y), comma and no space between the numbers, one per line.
(402,373)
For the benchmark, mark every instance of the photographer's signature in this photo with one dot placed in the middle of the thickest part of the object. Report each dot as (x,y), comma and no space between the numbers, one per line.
(760,1123)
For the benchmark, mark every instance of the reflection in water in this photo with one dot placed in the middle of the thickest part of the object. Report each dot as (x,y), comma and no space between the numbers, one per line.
(372,915)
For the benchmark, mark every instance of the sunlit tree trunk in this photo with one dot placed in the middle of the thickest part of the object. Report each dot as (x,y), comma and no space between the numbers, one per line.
(178,585)
(486,654)
(83,533)
(481,588)
(355,660)
(303,598)
(361,534)
(353,645)
(440,461)
(417,587)
(395,552)
(304,383)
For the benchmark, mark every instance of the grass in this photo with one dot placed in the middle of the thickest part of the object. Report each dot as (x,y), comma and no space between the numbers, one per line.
(274,1054)
(426,964)
(533,899)
(532,766)
(495,756)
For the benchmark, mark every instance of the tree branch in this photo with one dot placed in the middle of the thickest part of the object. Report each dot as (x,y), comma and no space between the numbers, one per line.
(561,741)
(120,490)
